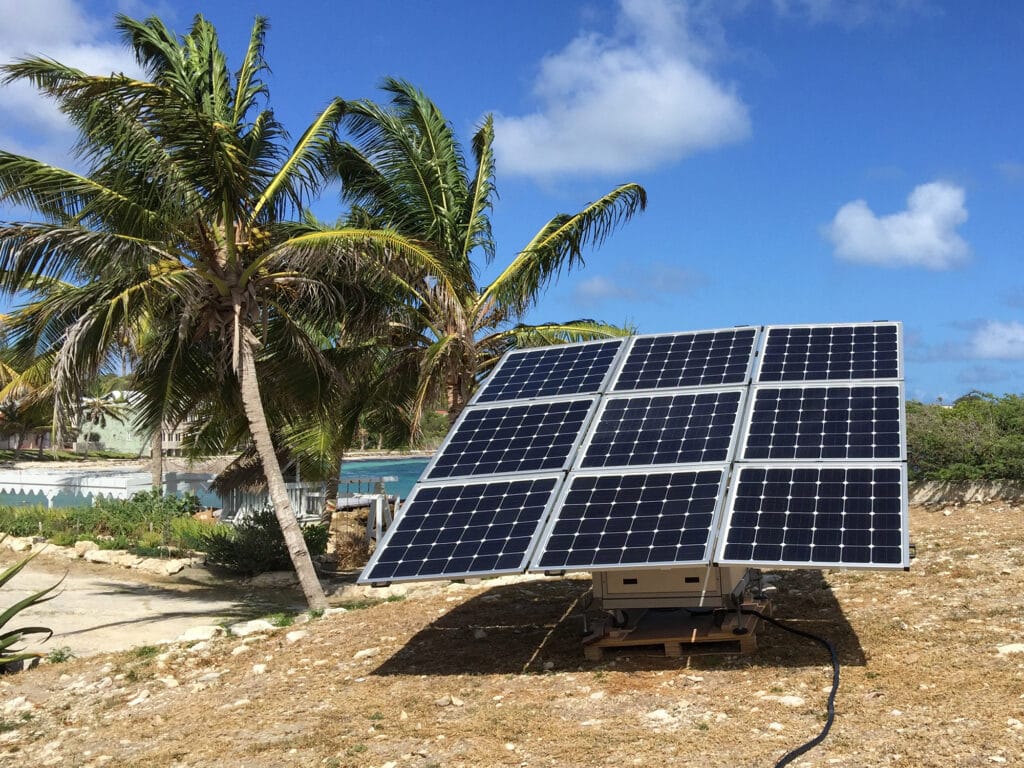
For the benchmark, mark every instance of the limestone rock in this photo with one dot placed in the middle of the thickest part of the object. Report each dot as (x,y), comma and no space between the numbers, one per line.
(105,556)
(243,628)
(202,632)
(84,546)
(296,635)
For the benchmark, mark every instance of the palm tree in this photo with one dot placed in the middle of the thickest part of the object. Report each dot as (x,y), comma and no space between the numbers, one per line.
(182,222)
(407,170)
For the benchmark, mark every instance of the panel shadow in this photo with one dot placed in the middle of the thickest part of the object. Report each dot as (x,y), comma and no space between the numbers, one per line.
(533,626)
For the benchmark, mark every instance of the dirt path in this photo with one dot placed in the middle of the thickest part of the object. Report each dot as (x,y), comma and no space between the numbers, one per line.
(102,608)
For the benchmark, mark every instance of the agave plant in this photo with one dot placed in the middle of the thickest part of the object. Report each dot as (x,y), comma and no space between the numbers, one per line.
(10,638)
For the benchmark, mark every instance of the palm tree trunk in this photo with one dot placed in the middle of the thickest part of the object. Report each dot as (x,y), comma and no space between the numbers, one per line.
(156,460)
(297,550)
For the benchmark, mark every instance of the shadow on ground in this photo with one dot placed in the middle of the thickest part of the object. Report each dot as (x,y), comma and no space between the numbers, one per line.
(520,628)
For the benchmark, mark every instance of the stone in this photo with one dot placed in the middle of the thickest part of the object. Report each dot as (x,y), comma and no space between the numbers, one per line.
(444,701)
(457,702)
(776,727)
(238,650)
(201,632)
(126,560)
(16,544)
(202,645)
(788,701)
(366,653)
(104,556)
(660,717)
(334,611)
(296,635)
(259,669)
(18,705)
(171,567)
(1005,650)
(141,697)
(243,628)
(151,565)
(169,682)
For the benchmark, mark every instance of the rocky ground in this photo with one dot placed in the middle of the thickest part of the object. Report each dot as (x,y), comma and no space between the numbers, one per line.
(493,675)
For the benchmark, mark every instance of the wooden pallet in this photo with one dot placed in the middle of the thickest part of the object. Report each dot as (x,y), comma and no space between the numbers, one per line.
(677,629)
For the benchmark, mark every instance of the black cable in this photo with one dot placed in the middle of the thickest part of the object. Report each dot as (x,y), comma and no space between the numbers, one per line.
(808,746)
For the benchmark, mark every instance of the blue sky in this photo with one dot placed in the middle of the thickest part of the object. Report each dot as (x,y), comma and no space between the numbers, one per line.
(805,160)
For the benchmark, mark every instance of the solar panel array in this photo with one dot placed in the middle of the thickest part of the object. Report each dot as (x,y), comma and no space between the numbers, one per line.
(779,446)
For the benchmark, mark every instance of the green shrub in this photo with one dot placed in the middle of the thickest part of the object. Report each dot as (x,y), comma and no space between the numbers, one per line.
(190,534)
(257,545)
(979,437)
(145,520)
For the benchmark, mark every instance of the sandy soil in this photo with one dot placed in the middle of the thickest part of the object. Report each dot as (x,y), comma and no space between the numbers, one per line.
(493,675)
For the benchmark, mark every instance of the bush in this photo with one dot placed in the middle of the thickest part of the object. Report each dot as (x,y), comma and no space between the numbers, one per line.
(144,519)
(979,437)
(187,533)
(257,545)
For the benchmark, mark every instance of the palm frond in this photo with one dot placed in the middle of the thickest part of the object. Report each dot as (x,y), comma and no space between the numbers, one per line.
(560,245)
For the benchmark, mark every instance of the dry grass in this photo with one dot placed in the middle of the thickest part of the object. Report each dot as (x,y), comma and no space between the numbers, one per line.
(493,675)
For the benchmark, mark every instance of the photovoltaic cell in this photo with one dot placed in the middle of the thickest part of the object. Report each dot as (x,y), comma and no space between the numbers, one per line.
(711,358)
(461,530)
(835,352)
(569,369)
(825,422)
(632,519)
(512,438)
(816,516)
(644,430)
(820,479)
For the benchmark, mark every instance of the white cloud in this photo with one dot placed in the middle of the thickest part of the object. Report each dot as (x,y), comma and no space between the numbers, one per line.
(851,13)
(57,29)
(617,104)
(650,281)
(998,341)
(598,289)
(1011,170)
(924,235)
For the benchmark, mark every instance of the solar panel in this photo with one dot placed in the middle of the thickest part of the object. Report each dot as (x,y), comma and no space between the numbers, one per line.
(632,519)
(618,454)
(825,422)
(816,517)
(831,352)
(456,530)
(567,369)
(500,439)
(645,430)
(671,361)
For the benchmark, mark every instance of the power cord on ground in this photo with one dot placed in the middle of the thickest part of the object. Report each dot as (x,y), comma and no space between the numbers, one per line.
(789,757)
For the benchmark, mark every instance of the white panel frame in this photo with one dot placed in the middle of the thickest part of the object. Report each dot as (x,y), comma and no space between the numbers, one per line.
(741,444)
(766,331)
(382,545)
(574,448)
(741,410)
(624,356)
(475,399)
(554,515)
(728,511)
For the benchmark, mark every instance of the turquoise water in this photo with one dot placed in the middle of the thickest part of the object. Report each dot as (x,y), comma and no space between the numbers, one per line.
(407,472)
